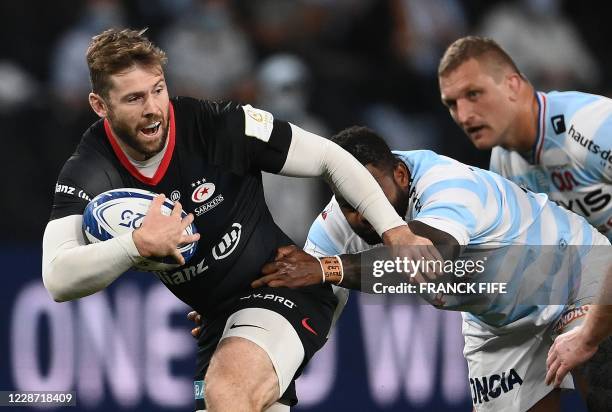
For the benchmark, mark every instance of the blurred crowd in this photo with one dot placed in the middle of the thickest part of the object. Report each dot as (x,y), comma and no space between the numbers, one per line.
(321,64)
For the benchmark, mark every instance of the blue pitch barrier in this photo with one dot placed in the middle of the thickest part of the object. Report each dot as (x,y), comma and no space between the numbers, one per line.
(129,348)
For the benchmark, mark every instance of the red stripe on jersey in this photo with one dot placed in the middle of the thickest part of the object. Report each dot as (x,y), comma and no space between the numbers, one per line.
(542,129)
(163,166)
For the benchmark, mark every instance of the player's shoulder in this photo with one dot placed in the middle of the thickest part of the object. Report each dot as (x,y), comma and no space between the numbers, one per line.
(209,108)
(428,168)
(421,162)
(331,234)
(573,108)
(226,116)
(91,166)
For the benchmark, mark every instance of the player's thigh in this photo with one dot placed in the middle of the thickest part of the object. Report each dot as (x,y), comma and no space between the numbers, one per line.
(288,325)
(260,341)
(242,368)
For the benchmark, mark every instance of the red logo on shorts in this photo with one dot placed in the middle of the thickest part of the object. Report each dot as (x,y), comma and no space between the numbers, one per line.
(307,326)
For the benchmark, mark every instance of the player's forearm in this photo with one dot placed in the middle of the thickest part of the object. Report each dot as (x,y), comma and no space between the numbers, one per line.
(72,270)
(598,324)
(312,155)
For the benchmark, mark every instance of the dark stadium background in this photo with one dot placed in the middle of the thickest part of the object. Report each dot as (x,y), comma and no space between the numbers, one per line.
(323,64)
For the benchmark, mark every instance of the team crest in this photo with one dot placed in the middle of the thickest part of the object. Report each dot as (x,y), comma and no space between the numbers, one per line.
(203,192)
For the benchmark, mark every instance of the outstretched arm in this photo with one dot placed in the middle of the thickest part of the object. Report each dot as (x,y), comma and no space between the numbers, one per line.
(296,268)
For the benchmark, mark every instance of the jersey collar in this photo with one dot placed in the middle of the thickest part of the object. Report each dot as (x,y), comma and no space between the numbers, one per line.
(165,162)
(541,133)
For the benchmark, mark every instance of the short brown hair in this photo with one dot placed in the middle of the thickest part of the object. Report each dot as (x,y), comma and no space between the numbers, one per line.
(113,51)
(474,47)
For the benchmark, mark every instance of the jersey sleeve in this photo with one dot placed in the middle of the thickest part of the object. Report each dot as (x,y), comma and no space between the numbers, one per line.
(453,205)
(243,138)
(329,233)
(83,176)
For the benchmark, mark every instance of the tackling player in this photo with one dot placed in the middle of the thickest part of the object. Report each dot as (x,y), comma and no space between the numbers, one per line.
(506,339)
(558,143)
(210,156)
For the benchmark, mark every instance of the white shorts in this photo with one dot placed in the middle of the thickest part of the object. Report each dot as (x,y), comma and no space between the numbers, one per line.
(275,335)
(507,364)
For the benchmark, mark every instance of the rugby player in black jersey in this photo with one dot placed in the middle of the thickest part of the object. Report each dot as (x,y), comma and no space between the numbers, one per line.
(209,156)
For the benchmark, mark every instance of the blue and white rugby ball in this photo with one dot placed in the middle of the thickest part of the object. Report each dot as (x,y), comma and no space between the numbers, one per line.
(120,211)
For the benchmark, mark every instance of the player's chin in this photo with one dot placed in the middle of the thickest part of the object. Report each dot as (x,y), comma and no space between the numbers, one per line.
(482,142)
(151,144)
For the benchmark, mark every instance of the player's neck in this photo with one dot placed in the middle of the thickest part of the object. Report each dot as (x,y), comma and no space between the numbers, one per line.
(524,133)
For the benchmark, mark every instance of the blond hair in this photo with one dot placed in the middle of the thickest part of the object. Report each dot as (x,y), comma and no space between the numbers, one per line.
(114,51)
(475,47)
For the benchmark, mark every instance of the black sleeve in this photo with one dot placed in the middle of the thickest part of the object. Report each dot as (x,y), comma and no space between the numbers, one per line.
(81,179)
(243,138)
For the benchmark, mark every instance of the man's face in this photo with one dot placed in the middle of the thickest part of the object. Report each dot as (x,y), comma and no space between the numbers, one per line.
(478,102)
(138,109)
(396,196)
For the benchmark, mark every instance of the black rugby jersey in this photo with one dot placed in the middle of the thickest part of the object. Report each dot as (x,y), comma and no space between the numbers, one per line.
(215,166)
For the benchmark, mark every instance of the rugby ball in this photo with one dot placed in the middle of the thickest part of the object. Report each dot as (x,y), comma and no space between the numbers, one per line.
(120,211)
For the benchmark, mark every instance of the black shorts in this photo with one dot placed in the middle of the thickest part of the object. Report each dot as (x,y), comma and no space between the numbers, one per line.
(309,310)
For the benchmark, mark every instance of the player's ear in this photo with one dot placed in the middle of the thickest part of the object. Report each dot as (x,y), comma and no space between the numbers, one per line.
(514,83)
(401,175)
(98,104)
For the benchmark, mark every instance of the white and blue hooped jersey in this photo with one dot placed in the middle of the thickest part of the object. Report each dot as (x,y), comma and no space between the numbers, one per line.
(479,209)
(571,160)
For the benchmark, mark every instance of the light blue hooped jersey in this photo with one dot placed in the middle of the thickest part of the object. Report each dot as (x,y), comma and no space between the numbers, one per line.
(571,160)
(480,209)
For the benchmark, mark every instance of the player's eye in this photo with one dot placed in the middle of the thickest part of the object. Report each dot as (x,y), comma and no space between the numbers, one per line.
(133,99)
(159,90)
(473,94)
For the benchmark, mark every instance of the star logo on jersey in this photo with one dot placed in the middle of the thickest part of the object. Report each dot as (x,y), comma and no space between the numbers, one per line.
(203,192)
(558,123)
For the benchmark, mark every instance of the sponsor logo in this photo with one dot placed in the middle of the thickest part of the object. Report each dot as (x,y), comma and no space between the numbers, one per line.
(270,296)
(228,243)
(327,211)
(582,140)
(175,195)
(565,181)
(203,192)
(198,389)
(257,123)
(208,206)
(558,123)
(586,205)
(183,275)
(234,326)
(490,387)
(69,190)
(569,316)
(308,327)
